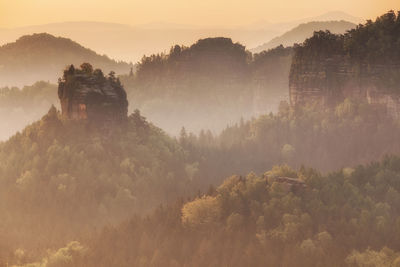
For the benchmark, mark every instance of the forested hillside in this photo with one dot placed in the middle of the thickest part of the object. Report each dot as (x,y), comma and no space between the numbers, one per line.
(66,177)
(60,178)
(363,63)
(208,85)
(307,185)
(41,56)
(346,218)
(353,132)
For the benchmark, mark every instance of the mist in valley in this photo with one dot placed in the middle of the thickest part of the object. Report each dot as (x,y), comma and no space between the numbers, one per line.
(170,144)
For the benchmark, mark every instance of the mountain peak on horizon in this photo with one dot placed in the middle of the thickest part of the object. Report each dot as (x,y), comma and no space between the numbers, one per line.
(41,56)
(304,30)
(338,15)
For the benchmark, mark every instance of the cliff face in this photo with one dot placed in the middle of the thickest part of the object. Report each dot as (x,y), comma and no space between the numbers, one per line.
(364,63)
(330,80)
(89,95)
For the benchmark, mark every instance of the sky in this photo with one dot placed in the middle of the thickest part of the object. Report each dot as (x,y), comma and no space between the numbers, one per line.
(16,13)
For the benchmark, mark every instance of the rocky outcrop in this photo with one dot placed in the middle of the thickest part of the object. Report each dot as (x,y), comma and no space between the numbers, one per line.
(329,81)
(289,184)
(89,95)
(364,63)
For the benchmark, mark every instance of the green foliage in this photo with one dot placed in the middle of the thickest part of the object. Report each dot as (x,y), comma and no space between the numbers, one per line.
(68,256)
(373,43)
(376,42)
(371,258)
(324,138)
(61,179)
(366,56)
(190,85)
(68,177)
(325,223)
(202,211)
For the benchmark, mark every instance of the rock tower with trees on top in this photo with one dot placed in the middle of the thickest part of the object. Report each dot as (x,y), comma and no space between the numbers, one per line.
(87,94)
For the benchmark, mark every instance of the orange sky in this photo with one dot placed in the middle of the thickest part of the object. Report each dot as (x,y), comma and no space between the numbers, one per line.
(14,13)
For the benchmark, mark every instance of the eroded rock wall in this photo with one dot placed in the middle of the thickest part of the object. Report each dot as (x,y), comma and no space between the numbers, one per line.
(328,81)
(88,94)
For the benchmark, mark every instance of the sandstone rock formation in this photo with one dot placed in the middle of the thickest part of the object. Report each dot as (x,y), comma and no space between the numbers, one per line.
(86,94)
(364,64)
(330,80)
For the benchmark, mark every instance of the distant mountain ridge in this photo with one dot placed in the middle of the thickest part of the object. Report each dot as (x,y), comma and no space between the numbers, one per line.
(214,75)
(286,26)
(130,43)
(362,64)
(304,31)
(42,56)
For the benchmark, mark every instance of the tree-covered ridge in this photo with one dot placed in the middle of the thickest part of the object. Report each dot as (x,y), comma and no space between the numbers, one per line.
(354,132)
(362,63)
(190,85)
(217,59)
(376,42)
(271,63)
(346,218)
(61,172)
(214,76)
(67,177)
(41,56)
(211,56)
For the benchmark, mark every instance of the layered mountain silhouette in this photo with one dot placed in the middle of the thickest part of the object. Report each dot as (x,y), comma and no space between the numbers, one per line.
(304,31)
(42,56)
(130,43)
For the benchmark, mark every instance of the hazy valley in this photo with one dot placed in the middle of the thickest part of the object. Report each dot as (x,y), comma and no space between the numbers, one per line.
(281,149)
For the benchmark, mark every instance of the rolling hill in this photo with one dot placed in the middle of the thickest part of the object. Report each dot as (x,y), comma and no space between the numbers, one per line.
(212,83)
(42,56)
(130,43)
(304,31)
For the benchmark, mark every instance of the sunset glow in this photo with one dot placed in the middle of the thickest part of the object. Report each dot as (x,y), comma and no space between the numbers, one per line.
(227,13)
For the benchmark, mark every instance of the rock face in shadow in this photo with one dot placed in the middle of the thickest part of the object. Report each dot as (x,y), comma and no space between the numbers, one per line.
(86,94)
(363,64)
(329,81)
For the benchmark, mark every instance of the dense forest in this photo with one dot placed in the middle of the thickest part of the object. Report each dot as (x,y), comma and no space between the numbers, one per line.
(308,185)
(363,62)
(65,180)
(349,217)
(208,85)
(375,42)
(172,90)
(346,218)
(353,132)
(61,178)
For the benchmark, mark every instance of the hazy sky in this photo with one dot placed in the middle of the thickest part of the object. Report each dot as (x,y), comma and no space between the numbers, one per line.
(15,13)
